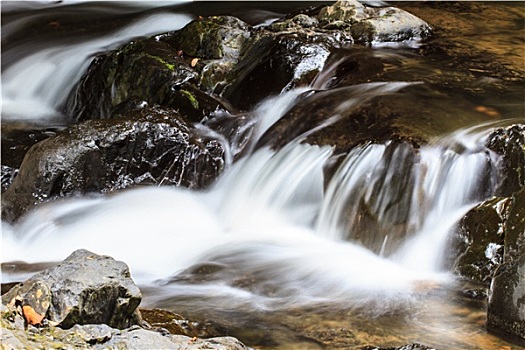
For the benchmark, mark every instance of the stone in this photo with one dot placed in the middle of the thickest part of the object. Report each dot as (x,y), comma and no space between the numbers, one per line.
(370,24)
(506,306)
(150,146)
(509,143)
(86,288)
(141,74)
(481,240)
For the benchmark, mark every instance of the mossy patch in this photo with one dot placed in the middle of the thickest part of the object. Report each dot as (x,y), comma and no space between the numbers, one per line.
(170,66)
(191,98)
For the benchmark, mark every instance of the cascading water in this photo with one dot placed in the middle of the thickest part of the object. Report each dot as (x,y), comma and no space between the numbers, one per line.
(269,217)
(274,233)
(35,88)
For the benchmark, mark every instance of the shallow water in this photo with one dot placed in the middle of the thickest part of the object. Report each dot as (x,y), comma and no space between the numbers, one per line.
(263,254)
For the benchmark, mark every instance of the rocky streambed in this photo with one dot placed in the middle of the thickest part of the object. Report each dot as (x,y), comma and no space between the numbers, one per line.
(179,108)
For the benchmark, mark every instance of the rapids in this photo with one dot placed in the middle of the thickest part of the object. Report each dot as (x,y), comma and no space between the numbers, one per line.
(273,233)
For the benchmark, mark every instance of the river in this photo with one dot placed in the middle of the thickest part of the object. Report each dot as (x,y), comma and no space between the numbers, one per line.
(268,253)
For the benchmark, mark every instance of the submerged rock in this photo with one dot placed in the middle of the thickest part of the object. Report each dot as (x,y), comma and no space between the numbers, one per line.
(152,146)
(86,288)
(506,309)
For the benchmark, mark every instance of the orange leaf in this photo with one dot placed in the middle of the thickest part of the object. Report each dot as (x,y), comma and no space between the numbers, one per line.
(32,317)
(194,62)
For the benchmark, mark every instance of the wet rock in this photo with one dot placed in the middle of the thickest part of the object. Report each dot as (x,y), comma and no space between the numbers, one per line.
(509,142)
(515,228)
(373,112)
(177,324)
(86,288)
(140,74)
(15,144)
(277,63)
(369,24)
(151,146)
(506,308)
(217,42)
(481,240)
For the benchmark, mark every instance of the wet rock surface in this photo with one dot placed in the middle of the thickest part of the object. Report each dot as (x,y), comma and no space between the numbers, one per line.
(506,310)
(152,146)
(182,72)
(482,235)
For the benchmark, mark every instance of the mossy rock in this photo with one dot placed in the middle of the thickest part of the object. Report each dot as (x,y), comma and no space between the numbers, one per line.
(144,73)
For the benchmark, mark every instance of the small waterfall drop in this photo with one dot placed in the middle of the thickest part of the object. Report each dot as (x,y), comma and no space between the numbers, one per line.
(274,234)
(36,87)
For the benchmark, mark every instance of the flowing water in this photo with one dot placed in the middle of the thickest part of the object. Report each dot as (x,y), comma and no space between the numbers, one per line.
(274,252)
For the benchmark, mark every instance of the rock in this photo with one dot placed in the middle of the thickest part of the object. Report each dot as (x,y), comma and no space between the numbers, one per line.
(481,240)
(515,228)
(141,339)
(15,144)
(373,112)
(276,63)
(506,307)
(509,143)
(143,73)
(369,24)
(86,288)
(80,301)
(152,146)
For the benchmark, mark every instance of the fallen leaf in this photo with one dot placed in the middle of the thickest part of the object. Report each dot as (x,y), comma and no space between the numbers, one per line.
(194,62)
(32,317)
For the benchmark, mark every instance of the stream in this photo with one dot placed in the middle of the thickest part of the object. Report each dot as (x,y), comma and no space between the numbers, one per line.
(272,252)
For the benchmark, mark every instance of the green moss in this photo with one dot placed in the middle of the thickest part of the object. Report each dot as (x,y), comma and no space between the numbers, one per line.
(190,97)
(158,59)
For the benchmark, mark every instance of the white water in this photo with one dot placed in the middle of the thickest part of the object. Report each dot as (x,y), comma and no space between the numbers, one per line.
(268,217)
(35,88)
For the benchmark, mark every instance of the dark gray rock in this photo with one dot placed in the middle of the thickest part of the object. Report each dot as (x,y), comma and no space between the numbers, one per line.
(142,73)
(515,228)
(506,308)
(480,240)
(509,142)
(86,288)
(150,146)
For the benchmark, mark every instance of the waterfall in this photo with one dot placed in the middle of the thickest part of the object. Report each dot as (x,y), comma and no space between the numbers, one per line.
(35,88)
(402,202)
(274,232)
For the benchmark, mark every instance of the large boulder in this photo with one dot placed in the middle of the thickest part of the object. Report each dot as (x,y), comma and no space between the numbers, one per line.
(86,288)
(142,73)
(151,146)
